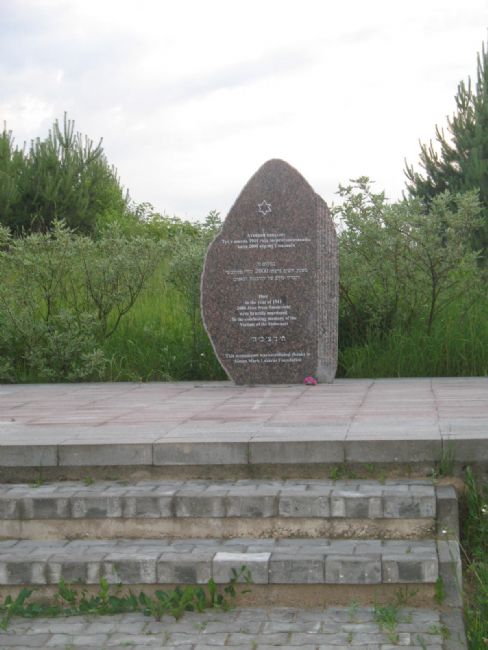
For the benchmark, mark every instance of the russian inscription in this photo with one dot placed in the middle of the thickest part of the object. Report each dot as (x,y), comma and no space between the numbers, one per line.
(270,282)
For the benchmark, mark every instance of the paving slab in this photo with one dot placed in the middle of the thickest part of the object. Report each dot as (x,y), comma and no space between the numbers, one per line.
(338,628)
(219,423)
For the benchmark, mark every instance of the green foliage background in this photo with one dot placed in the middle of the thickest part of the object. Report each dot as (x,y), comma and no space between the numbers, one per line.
(123,304)
(95,287)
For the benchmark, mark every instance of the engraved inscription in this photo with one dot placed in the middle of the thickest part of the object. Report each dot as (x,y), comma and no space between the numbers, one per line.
(268,271)
(268,339)
(247,358)
(264,312)
(266,241)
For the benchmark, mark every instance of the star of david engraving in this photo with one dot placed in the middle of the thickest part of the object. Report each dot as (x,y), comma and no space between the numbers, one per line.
(264,208)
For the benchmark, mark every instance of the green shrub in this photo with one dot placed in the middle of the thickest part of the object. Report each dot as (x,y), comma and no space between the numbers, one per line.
(62,295)
(401,268)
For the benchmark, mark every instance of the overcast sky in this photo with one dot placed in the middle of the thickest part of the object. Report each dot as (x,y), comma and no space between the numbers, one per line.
(192,96)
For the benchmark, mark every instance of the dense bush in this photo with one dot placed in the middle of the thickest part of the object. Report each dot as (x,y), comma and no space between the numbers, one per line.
(400,267)
(62,295)
(410,285)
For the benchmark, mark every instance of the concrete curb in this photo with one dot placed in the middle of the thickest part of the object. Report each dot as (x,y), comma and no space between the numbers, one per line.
(256,452)
(450,567)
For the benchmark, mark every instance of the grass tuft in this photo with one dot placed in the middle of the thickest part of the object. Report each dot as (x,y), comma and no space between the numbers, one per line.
(456,347)
(474,536)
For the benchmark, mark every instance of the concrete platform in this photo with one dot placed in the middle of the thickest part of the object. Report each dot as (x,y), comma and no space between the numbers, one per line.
(217,423)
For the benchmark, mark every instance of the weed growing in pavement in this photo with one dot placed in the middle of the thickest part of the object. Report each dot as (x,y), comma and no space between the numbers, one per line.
(336,473)
(421,641)
(201,626)
(71,600)
(387,616)
(440,630)
(446,463)
(343,471)
(40,478)
(405,594)
(353,609)
(440,592)
(445,466)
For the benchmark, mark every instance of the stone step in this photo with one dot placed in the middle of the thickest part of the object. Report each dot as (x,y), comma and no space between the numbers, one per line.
(249,508)
(243,498)
(192,561)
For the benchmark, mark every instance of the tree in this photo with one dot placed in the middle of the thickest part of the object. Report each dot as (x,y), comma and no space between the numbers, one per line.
(11,163)
(460,160)
(63,177)
(400,266)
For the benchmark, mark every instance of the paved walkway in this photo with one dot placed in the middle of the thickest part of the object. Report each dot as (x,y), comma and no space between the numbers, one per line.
(244,629)
(389,420)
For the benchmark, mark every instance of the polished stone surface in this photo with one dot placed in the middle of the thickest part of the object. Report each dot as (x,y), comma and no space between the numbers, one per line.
(270,285)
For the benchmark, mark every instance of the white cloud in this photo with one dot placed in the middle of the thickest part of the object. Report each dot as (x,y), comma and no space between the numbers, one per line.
(191,97)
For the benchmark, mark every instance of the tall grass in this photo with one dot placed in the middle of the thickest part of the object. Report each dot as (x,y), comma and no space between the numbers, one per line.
(475,543)
(157,342)
(456,346)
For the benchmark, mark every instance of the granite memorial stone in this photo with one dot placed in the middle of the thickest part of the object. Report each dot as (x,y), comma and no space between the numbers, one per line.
(270,283)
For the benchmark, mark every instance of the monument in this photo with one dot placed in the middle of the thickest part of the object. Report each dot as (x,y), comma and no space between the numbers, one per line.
(270,283)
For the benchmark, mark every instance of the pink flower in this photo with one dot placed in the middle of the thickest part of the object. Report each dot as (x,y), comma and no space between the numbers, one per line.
(310,381)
